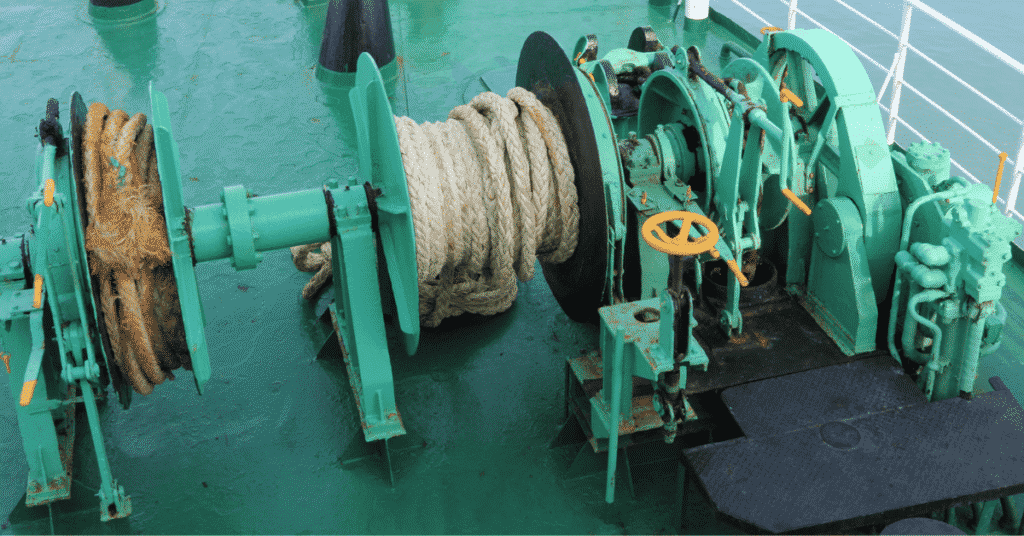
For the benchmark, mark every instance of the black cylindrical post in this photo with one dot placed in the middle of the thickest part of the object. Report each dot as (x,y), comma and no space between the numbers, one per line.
(121,11)
(113,3)
(351,28)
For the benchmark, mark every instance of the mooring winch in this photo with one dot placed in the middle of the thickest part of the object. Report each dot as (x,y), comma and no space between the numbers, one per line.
(117,286)
(728,224)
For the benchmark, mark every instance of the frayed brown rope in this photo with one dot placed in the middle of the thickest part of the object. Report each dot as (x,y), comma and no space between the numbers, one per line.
(126,239)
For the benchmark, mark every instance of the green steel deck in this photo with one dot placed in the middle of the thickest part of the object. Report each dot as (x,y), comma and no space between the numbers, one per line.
(260,451)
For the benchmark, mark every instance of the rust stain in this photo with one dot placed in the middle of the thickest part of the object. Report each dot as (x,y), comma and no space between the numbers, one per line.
(314,120)
(742,338)
(443,54)
(243,288)
(194,179)
(11,58)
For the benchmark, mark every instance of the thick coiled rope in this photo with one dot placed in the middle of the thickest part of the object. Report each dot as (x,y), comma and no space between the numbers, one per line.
(491,190)
(126,240)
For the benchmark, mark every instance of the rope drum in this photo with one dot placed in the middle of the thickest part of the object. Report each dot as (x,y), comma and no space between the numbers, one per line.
(126,240)
(492,189)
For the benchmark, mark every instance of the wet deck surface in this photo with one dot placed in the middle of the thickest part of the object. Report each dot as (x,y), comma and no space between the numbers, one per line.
(260,451)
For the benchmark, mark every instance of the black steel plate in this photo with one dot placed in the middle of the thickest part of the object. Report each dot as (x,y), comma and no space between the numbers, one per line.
(786,403)
(578,283)
(884,466)
(778,338)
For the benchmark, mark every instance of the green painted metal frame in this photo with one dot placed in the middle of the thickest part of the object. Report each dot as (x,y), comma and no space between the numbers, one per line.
(228,229)
(64,278)
(359,321)
(175,215)
(612,179)
(45,377)
(865,176)
(380,164)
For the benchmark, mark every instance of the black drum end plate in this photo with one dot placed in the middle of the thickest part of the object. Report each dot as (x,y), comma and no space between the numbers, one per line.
(579,283)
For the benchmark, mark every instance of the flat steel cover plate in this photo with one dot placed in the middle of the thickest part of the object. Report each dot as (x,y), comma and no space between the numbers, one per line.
(777,405)
(869,469)
(778,338)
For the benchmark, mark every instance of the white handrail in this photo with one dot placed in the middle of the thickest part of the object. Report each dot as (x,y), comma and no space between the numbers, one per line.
(988,47)
(952,160)
(751,12)
(866,18)
(855,49)
(953,118)
(965,84)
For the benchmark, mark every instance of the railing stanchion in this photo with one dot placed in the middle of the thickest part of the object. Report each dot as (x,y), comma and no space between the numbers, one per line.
(791,21)
(1018,171)
(897,82)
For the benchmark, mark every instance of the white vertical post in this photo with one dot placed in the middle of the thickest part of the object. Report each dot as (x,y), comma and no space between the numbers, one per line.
(791,21)
(897,82)
(697,9)
(1018,171)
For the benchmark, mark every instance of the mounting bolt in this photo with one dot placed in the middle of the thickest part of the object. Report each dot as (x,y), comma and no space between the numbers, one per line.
(332,182)
(352,180)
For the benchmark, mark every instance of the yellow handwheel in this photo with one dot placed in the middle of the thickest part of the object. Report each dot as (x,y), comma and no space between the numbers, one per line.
(681,244)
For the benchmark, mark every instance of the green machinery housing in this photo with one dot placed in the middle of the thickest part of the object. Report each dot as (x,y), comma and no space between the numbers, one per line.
(701,196)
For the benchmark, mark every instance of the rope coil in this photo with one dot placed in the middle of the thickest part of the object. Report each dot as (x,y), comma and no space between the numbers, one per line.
(492,189)
(126,240)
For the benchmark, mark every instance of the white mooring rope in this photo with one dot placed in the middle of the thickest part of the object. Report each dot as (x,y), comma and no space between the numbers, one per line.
(491,189)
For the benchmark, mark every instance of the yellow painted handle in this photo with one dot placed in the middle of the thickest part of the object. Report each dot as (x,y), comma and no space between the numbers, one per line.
(785,95)
(48,192)
(731,263)
(796,201)
(26,392)
(999,176)
(37,299)
(767,29)
(7,361)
